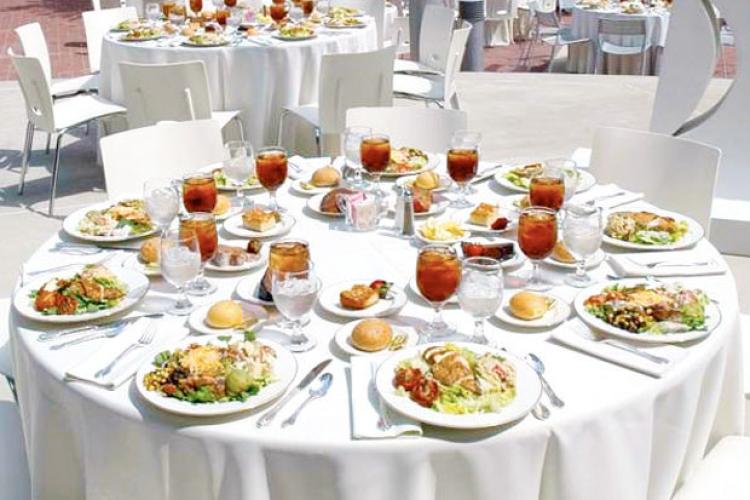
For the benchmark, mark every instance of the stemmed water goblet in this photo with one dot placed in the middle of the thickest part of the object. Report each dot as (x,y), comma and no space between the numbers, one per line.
(271,170)
(351,143)
(481,292)
(463,161)
(582,227)
(438,278)
(180,262)
(294,295)
(153,12)
(537,236)
(162,201)
(239,167)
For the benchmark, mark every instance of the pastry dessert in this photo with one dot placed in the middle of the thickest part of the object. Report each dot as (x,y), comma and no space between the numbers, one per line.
(484,215)
(427,180)
(561,253)
(227,255)
(372,335)
(358,297)
(325,177)
(422,199)
(329,204)
(260,219)
(223,204)
(497,251)
(253,246)
(225,314)
(528,306)
(150,251)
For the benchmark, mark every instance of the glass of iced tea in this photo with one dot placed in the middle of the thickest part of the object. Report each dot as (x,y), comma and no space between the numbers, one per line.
(548,189)
(375,155)
(463,161)
(278,11)
(196,6)
(230,3)
(221,16)
(204,226)
(438,278)
(271,171)
(537,235)
(199,192)
(166,7)
(308,7)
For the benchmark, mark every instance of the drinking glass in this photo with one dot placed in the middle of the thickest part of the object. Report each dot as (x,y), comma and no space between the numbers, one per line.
(180,262)
(481,292)
(162,201)
(239,167)
(351,144)
(294,295)
(235,19)
(271,171)
(230,3)
(204,226)
(278,11)
(375,155)
(196,6)
(176,12)
(537,235)
(463,162)
(569,170)
(166,7)
(199,192)
(548,189)
(295,12)
(438,277)
(582,228)
(153,12)
(308,7)
(222,15)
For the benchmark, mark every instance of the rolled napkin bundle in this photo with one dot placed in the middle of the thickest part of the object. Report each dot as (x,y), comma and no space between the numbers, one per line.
(366,405)
(607,196)
(302,168)
(576,334)
(687,263)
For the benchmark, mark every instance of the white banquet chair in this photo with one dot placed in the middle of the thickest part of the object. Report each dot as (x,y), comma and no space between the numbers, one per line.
(677,174)
(346,81)
(400,36)
(55,117)
(6,362)
(723,473)
(498,24)
(96,24)
(434,43)
(437,89)
(405,125)
(546,29)
(622,38)
(134,156)
(171,92)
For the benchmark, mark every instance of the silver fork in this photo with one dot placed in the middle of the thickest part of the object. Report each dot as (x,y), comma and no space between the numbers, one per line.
(384,422)
(667,263)
(144,341)
(593,201)
(103,260)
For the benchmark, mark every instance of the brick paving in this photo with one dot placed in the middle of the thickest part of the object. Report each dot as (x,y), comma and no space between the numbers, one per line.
(63,28)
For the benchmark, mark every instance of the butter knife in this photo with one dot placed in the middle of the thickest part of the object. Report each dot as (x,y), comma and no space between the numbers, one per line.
(268,417)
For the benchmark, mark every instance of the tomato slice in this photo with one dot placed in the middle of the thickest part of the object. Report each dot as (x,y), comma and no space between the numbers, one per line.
(426,392)
(408,378)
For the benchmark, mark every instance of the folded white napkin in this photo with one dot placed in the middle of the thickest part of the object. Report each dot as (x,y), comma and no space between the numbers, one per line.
(605,196)
(687,263)
(167,332)
(576,334)
(366,404)
(302,168)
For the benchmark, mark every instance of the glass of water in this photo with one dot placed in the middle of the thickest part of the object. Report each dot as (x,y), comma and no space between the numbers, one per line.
(180,262)
(294,295)
(570,174)
(162,201)
(239,166)
(350,144)
(153,12)
(582,228)
(481,292)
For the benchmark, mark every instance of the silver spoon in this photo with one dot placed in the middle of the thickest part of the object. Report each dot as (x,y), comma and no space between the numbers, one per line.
(317,391)
(538,366)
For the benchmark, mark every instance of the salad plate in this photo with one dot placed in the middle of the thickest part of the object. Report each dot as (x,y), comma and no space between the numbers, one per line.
(652,312)
(408,180)
(645,230)
(407,332)
(304,188)
(273,369)
(512,177)
(409,161)
(235,226)
(110,222)
(330,302)
(498,388)
(592,262)
(224,184)
(313,203)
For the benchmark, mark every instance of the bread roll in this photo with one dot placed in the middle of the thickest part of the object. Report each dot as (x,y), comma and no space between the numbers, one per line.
(528,306)
(371,335)
(324,177)
(150,250)
(223,204)
(225,314)
(427,180)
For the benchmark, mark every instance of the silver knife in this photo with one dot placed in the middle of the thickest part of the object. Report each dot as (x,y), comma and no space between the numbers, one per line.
(270,414)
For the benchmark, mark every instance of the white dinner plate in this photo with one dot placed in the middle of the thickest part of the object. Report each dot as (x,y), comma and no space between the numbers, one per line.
(432,162)
(222,43)
(234,226)
(415,288)
(133,261)
(72,221)
(423,239)
(528,392)
(125,39)
(296,186)
(313,203)
(247,289)
(342,338)
(329,301)
(713,318)
(285,369)
(694,234)
(518,257)
(408,180)
(255,263)
(592,262)
(335,27)
(294,39)
(585,181)
(438,206)
(137,286)
(197,319)
(557,313)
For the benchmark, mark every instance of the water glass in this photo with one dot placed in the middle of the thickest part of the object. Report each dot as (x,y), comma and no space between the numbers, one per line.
(294,295)
(153,12)
(180,263)
(350,144)
(582,228)
(481,292)
(239,166)
(162,201)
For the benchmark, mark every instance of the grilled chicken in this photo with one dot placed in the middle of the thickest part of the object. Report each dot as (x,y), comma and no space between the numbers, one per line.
(450,367)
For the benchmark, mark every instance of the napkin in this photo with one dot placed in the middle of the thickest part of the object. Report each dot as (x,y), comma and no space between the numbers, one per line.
(634,264)
(302,168)
(582,157)
(576,334)
(166,333)
(365,404)
(599,192)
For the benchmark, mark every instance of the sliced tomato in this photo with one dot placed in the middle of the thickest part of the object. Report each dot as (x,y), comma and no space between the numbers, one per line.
(408,378)
(426,392)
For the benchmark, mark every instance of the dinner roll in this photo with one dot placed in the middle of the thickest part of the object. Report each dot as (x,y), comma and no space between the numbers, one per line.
(223,204)
(225,314)
(371,335)
(150,250)
(325,176)
(528,306)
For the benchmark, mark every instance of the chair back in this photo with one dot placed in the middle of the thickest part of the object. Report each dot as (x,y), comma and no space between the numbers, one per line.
(165,92)
(352,80)
(459,39)
(34,44)
(134,156)
(613,31)
(405,125)
(675,174)
(543,16)
(374,8)
(36,91)
(435,36)
(96,24)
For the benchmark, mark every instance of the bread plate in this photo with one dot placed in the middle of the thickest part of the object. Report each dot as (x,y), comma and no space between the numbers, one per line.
(342,338)
(234,226)
(558,312)
(330,302)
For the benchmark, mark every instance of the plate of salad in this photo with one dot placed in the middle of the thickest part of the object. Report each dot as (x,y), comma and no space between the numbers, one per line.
(110,222)
(223,183)
(458,385)
(216,375)
(642,311)
(643,230)
(518,177)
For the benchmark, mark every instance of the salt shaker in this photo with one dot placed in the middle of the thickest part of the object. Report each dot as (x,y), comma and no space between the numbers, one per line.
(399,208)
(406,221)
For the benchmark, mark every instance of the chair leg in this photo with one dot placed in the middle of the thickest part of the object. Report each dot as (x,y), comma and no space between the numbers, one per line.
(552,57)
(27,144)
(723,59)
(317,141)
(55,172)
(49,141)
(240,128)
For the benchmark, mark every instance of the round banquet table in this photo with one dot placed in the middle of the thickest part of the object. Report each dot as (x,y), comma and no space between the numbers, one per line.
(582,57)
(256,79)
(621,436)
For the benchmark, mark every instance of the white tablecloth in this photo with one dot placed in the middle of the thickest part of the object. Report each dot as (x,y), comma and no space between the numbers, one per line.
(581,58)
(621,436)
(256,79)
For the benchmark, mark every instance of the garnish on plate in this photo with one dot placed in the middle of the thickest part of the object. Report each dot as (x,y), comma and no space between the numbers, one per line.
(95,288)
(521,176)
(125,218)
(406,159)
